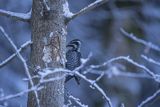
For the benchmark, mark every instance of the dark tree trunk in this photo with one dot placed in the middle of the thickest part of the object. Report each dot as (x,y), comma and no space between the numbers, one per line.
(48,50)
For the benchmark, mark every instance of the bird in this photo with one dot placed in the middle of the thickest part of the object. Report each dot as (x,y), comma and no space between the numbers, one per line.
(73,58)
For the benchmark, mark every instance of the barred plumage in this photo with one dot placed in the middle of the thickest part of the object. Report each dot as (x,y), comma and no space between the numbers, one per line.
(73,57)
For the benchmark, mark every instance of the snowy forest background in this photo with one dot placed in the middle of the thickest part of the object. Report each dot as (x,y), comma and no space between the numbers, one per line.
(100,32)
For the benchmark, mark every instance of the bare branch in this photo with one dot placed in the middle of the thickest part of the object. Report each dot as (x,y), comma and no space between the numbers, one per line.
(18,94)
(77,100)
(92,82)
(148,44)
(25,17)
(23,61)
(149,99)
(150,60)
(6,61)
(86,9)
(128,59)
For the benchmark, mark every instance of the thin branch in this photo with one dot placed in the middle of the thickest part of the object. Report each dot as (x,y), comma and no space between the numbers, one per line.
(133,37)
(77,100)
(149,99)
(18,94)
(25,17)
(37,87)
(150,60)
(23,61)
(87,9)
(128,59)
(6,61)
(92,82)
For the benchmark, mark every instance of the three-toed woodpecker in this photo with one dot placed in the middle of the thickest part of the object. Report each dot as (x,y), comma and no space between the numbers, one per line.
(73,57)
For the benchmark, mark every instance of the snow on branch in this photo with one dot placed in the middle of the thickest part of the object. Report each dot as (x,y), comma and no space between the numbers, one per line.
(6,61)
(133,37)
(39,84)
(113,71)
(126,58)
(149,98)
(69,15)
(25,17)
(92,83)
(77,100)
(150,60)
(46,7)
(23,61)
(18,94)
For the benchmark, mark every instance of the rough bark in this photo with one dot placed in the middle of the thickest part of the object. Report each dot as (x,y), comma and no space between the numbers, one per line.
(48,49)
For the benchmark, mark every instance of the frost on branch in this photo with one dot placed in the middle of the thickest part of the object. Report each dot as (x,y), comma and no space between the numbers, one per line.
(17,16)
(69,15)
(22,60)
(145,43)
(67,12)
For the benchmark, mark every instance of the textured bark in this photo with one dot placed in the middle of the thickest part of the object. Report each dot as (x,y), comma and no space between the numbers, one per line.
(48,50)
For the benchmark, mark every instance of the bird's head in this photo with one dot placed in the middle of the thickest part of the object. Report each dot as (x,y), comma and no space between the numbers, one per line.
(74,45)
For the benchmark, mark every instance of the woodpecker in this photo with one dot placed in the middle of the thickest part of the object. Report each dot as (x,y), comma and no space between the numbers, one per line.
(73,57)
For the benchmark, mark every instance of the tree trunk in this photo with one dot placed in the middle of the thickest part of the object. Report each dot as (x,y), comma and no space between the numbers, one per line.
(48,49)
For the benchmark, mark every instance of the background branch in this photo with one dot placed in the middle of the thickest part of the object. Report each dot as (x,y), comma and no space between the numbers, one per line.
(147,100)
(23,61)
(145,43)
(87,9)
(25,17)
(6,61)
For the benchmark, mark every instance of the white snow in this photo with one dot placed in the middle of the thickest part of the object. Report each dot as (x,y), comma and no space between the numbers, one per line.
(67,12)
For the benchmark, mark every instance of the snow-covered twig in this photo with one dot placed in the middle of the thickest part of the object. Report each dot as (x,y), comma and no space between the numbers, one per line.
(149,98)
(148,44)
(118,73)
(77,100)
(126,58)
(23,61)
(99,77)
(37,87)
(25,17)
(4,98)
(150,60)
(92,82)
(87,8)
(3,63)
(45,5)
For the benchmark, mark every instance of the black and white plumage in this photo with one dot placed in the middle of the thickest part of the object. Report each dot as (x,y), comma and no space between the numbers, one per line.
(73,57)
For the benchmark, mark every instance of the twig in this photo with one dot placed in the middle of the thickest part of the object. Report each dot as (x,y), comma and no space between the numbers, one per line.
(18,94)
(6,61)
(92,82)
(150,60)
(36,88)
(77,100)
(99,77)
(148,44)
(23,61)
(149,99)
(126,58)
(25,17)
(87,8)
